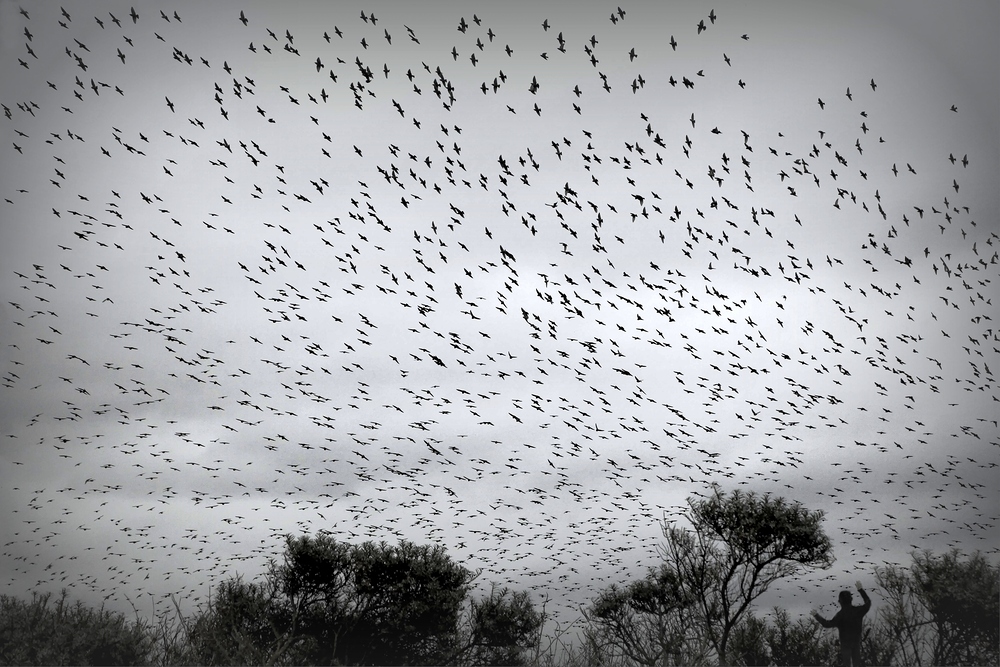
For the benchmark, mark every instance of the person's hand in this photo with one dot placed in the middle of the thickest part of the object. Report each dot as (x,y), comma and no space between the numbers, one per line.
(857,584)
(814,612)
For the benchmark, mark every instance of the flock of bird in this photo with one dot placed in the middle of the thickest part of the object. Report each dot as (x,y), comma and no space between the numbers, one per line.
(518,289)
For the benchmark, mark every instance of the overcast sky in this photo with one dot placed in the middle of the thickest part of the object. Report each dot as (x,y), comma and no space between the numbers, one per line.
(516,280)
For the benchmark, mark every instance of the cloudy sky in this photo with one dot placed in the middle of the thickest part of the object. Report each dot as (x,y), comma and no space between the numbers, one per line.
(516,280)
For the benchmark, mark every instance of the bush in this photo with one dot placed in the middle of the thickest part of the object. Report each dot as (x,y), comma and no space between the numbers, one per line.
(37,633)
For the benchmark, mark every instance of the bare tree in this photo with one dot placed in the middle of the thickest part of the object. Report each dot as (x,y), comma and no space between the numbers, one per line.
(905,616)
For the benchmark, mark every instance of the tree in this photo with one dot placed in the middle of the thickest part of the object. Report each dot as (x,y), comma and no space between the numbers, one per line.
(748,644)
(330,602)
(776,640)
(902,612)
(37,633)
(740,544)
(944,610)
(374,603)
(800,643)
(501,629)
(963,599)
(878,644)
(645,622)
(245,623)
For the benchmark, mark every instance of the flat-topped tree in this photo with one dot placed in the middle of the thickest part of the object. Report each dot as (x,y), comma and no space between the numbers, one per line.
(740,544)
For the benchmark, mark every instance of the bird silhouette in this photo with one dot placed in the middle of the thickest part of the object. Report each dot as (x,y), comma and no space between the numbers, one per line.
(459,303)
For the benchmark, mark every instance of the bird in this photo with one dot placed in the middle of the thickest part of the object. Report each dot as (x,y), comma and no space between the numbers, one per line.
(403,305)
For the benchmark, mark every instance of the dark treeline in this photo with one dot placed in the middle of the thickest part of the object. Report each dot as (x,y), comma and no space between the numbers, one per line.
(332,603)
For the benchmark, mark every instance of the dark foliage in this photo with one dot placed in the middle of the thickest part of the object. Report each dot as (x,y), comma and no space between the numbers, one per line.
(40,633)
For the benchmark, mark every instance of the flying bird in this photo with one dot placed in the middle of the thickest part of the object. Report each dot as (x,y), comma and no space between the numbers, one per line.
(420,305)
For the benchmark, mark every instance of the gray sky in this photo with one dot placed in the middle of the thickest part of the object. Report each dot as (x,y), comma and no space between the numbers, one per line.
(524,323)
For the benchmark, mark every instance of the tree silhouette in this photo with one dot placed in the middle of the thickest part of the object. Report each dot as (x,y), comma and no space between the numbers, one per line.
(374,603)
(963,599)
(245,623)
(330,602)
(36,632)
(943,610)
(501,628)
(645,622)
(738,546)
(779,641)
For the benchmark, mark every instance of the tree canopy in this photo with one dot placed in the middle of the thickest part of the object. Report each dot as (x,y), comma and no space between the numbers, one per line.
(330,602)
(944,609)
(647,622)
(738,545)
(375,603)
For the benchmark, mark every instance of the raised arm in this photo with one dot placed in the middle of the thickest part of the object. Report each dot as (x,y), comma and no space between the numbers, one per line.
(864,596)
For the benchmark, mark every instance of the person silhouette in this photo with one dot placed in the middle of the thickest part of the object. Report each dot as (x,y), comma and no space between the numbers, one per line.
(848,622)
